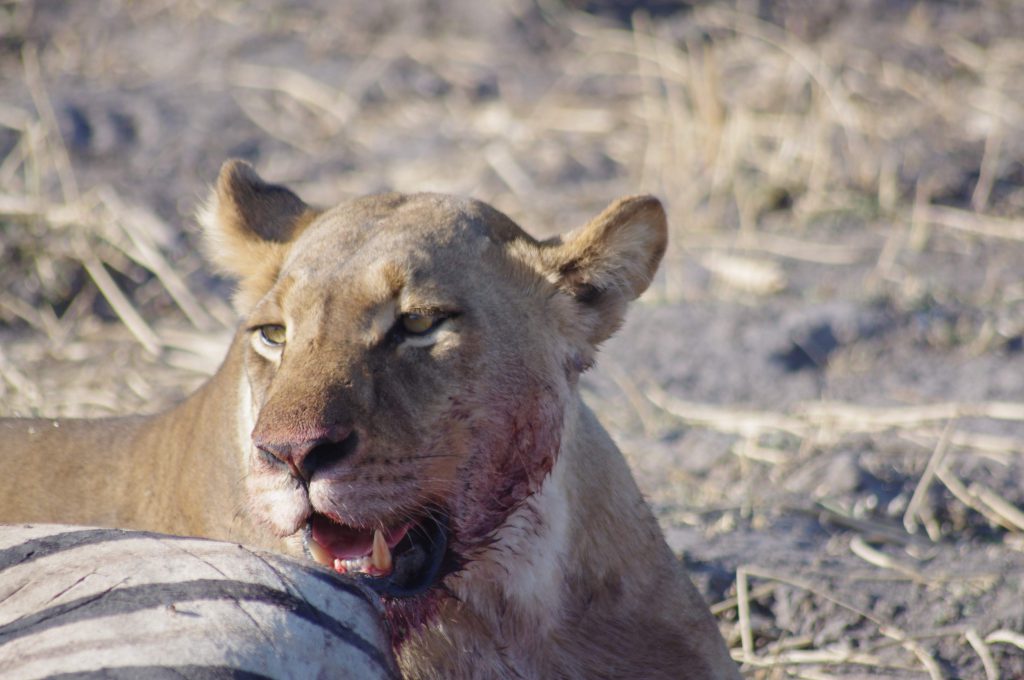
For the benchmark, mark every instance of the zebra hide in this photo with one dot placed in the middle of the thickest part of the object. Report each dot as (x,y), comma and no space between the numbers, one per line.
(79,602)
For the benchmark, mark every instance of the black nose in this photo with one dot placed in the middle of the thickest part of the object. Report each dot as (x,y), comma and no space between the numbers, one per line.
(305,456)
(326,454)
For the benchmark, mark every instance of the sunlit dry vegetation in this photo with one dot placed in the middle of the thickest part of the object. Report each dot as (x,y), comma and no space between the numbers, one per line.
(823,394)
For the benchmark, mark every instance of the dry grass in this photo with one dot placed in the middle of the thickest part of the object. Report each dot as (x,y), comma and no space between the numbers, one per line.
(873,141)
(819,428)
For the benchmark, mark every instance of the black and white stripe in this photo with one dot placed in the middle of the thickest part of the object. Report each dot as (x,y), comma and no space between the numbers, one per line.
(104,603)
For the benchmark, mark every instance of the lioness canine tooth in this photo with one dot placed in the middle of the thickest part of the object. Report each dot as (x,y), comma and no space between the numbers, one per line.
(381,556)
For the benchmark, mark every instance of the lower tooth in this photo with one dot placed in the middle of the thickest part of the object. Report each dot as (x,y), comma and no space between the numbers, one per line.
(361,564)
(318,552)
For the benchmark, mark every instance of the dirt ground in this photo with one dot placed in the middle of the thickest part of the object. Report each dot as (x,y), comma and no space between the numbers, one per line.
(823,393)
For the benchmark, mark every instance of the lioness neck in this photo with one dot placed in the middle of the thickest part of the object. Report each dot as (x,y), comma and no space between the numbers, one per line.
(182,460)
(594,593)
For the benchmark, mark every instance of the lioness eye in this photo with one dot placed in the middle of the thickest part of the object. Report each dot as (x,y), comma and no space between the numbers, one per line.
(420,324)
(272,335)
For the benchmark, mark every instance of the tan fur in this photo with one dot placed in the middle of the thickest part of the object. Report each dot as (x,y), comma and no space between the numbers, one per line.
(565,574)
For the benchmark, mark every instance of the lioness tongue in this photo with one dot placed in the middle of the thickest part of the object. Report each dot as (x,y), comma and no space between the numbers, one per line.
(352,549)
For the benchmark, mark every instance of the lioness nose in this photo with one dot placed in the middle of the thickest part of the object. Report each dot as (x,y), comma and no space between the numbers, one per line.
(305,456)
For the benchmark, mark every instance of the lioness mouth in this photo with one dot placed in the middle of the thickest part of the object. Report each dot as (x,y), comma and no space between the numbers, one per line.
(399,562)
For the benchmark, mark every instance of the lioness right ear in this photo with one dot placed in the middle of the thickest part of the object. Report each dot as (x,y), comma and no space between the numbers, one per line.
(608,263)
(248,226)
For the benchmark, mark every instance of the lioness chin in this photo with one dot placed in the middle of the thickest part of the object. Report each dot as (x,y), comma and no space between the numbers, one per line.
(400,403)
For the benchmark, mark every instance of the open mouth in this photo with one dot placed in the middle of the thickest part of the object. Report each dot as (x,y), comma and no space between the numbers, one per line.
(398,562)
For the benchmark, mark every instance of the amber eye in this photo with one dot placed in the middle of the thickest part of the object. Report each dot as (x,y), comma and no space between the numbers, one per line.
(420,324)
(272,335)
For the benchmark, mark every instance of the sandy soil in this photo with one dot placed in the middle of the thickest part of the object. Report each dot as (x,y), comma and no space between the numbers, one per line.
(822,393)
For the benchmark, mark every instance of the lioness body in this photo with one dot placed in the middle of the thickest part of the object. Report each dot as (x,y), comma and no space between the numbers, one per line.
(179,472)
(405,377)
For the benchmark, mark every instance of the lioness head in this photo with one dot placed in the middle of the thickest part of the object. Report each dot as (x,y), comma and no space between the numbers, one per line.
(409,360)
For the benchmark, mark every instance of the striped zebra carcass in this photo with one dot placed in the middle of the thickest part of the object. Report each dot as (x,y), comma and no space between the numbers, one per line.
(105,603)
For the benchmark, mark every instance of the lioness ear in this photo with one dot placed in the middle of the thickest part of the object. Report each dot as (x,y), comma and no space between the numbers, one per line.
(248,225)
(609,262)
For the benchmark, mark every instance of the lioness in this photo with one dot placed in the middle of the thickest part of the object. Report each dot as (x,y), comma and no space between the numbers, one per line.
(400,402)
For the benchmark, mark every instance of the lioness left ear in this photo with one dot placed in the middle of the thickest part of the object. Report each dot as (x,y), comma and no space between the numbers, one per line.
(248,227)
(608,263)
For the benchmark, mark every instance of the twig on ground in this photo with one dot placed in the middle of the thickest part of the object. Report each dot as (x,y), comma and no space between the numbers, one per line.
(139,225)
(999,505)
(745,274)
(911,516)
(26,313)
(743,610)
(995,447)
(832,419)
(872,529)
(886,629)
(122,306)
(984,653)
(830,657)
(855,418)
(1004,636)
(970,497)
(16,379)
(732,602)
(973,223)
(860,548)
(724,419)
(808,251)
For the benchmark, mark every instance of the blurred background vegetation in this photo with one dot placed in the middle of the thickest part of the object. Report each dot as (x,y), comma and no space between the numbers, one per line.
(822,393)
